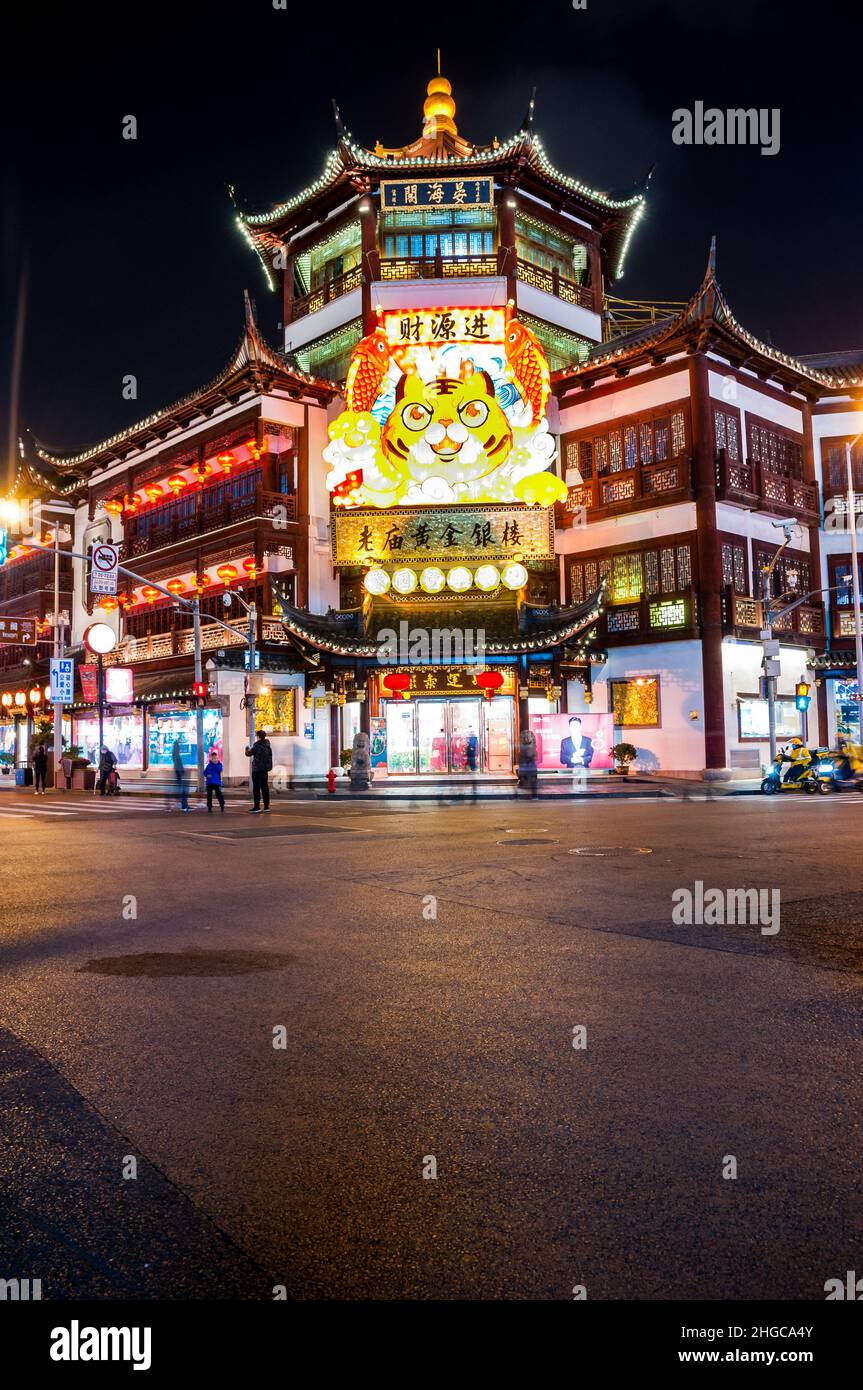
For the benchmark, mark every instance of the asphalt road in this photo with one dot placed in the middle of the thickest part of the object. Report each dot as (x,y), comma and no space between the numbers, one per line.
(410,1037)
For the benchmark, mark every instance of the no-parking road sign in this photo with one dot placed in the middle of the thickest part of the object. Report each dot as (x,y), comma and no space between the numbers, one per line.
(103,568)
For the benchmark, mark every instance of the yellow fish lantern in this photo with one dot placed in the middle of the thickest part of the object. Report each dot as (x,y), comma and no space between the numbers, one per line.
(529,367)
(370,361)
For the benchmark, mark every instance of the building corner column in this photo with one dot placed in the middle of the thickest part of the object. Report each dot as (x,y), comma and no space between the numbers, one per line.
(709,564)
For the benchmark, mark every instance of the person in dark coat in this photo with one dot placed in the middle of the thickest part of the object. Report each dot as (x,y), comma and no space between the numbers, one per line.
(40,768)
(180,775)
(261,754)
(107,763)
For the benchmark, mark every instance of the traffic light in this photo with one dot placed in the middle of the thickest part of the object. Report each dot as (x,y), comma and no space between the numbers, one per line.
(200,691)
(801,695)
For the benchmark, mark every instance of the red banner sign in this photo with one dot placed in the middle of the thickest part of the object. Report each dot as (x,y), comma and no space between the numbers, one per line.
(20,631)
(89,683)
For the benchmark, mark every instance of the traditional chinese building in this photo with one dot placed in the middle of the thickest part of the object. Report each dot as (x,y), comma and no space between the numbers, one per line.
(471,492)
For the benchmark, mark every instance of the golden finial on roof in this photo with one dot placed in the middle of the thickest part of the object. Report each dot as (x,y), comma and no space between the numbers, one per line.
(439,107)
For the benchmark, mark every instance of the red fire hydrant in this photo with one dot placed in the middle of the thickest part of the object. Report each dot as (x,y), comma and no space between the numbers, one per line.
(331,781)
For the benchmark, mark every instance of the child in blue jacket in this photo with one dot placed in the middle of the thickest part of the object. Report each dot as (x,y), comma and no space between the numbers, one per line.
(213,779)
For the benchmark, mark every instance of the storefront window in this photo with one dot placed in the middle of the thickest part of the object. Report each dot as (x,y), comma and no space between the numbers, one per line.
(752,717)
(122,733)
(168,725)
(848,710)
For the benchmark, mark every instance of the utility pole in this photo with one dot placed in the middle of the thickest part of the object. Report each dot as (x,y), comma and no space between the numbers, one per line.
(199,712)
(767,637)
(855,576)
(58,652)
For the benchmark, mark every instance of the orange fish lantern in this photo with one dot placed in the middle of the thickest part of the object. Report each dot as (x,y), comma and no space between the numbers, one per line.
(227,461)
(176,586)
(227,574)
(528,365)
(153,491)
(370,361)
(177,482)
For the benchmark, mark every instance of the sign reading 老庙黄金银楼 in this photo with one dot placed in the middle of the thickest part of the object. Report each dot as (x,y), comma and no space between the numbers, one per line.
(404,534)
(437,193)
(20,631)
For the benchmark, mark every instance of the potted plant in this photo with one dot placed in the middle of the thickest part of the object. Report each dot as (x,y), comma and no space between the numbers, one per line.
(345,760)
(6,761)
(623,754)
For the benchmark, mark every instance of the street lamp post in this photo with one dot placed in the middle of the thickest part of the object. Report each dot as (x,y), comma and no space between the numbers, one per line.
(766,574)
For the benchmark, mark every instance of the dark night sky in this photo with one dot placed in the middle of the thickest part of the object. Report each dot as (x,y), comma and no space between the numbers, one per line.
(135,264)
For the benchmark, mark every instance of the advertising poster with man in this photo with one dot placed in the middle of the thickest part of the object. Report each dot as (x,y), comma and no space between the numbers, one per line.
(573,742)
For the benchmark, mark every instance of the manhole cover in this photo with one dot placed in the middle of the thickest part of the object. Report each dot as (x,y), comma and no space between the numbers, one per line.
(609,851)
(159,964)
(528,840)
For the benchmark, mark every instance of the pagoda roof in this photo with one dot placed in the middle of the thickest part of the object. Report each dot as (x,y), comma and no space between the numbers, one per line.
(254,364)
(707,321)
(353,168)
(344,632)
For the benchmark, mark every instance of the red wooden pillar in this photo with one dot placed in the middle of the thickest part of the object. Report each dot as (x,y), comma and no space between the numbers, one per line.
(371,267)
(335,731)
(709,563)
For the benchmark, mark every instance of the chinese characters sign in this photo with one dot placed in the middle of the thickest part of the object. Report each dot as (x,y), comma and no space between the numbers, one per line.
(437,193)
(18,630)
(448,680)
(483,325)
(403,535)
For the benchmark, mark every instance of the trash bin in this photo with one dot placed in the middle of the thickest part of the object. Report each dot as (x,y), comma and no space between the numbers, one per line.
(23,777)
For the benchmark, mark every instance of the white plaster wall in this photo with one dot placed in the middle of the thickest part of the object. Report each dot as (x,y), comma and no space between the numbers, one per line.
(640,396)
(724,387)
(741,671)
(323,584)
(323,321)
(293,754)
(678,745)
(628,529)
(573,317)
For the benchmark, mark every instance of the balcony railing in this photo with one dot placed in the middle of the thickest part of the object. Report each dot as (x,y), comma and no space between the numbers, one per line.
(552,282)
(652,616)
(742,616)
(842,620)
(436,267)
(171,524)
(181,641)
(670,481)
(753,486)
(31,573)
(325,294)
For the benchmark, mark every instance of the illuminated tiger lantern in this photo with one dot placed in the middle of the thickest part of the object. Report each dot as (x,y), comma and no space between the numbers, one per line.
(460,422)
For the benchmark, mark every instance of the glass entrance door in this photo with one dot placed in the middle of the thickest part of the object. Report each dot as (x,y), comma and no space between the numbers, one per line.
(443,737)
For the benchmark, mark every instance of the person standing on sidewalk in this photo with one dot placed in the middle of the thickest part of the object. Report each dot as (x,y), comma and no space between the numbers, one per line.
(213,779)
(261,755)
(107,763)
(180,775)
(40,768)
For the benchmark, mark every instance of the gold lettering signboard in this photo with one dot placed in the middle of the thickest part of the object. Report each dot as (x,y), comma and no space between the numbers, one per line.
(277,711)
(415,535)
(445,680)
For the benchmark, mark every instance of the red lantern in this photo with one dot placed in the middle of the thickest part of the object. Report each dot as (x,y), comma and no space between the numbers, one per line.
(203,470)
(108,604)
(176,586)
(399,683)
(113,505)
(177,482)
(201,582)
(150,594)
(489,682)
(227,460)
(227,573)
(153,491)
(131,504)
(251,568)
(35,695)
